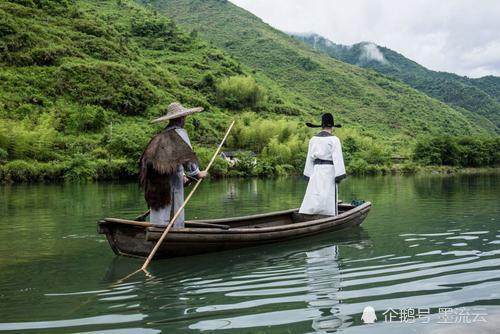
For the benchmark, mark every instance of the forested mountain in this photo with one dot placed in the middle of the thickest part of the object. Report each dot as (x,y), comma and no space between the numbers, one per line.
(478,96)
(81,80)
(357,96)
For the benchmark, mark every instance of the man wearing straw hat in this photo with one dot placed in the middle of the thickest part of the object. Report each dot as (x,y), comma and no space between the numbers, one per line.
(324,168)
(164,165)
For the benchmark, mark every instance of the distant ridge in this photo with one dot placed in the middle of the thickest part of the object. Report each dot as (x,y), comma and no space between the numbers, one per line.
(477,96)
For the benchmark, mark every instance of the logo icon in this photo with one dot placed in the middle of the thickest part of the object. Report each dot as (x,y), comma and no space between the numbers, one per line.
(369,316)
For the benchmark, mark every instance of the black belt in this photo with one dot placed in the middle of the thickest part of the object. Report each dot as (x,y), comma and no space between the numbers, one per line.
(323,162)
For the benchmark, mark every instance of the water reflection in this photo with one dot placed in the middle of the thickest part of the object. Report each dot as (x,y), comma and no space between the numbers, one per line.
(299,281)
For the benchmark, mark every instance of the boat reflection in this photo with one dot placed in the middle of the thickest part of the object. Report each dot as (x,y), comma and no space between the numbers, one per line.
(292,282)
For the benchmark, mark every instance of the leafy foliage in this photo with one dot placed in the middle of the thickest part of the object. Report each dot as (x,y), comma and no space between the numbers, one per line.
(80,81)
(239,92)
(458,151)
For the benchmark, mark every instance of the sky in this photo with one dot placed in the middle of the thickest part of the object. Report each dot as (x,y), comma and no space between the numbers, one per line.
(459,36)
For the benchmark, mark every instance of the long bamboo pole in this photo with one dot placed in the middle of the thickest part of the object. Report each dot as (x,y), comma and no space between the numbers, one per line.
(172,220)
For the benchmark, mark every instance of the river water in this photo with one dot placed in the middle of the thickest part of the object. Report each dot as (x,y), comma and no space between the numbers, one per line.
(426,260)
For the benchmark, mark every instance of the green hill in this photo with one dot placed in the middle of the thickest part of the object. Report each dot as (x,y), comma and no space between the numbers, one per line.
(469,96)
(359,98)
(81,80)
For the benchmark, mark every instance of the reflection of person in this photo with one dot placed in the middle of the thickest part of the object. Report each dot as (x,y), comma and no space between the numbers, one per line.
(324,168)
(166,159)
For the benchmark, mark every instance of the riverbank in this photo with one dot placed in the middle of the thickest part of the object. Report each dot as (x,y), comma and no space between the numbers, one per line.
(451,170)
(106,170)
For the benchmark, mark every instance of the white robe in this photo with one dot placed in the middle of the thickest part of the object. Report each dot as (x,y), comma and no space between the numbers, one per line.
(321,193)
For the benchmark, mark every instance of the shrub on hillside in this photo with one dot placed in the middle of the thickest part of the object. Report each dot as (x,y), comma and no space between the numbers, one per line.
(109,85)
(7,25)
(307,64)
(3,155)
(80,167)
(458,151)
(28,141)
(474,152)
(86,118)
(439,150)
(219,167)
(49,56)
(53,7)
(127,141)
(239,92)
(151,27)
(245,163)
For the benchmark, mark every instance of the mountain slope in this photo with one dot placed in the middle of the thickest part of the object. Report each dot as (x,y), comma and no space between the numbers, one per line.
(476,96)
(358,97)
(489,84)
(80,82)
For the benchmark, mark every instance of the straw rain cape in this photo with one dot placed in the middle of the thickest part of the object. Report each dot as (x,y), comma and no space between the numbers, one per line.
(159,162)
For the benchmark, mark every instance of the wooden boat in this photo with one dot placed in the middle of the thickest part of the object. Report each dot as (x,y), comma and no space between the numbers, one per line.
(137,238)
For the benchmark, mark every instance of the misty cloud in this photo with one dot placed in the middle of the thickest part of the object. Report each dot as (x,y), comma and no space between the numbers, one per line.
(460,36)
(371,52)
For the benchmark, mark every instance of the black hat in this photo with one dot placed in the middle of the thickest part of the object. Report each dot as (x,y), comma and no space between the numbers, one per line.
(326,122)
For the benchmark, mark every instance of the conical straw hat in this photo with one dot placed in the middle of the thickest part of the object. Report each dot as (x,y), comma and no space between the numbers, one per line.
(176,110)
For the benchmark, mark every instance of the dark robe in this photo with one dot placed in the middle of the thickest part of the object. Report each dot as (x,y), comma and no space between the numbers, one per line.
(159,162)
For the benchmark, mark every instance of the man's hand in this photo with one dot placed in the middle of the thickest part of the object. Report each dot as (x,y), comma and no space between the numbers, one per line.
(203,174)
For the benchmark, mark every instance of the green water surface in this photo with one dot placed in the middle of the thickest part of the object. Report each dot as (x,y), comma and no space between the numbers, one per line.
(430,242)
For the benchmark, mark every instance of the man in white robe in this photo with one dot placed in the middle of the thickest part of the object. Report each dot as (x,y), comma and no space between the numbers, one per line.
(325,169)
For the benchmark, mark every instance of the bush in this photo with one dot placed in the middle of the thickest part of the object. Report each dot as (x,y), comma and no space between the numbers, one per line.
(307,64)
(358,167)
(49,56)
(3,155)
(239,92)
(440,150)
(23,140)
(245,163)
(20,171)
(113,169)
(151,27)
(376,155)
(86,118)
(90,26)
(350,145)
(7,26)
(80,167)
(264,168)
(100,48)
(408,168)
(127,141)
(284,170)
(473,152)
(219,168)
(53,7)
(108,85)
(458,151)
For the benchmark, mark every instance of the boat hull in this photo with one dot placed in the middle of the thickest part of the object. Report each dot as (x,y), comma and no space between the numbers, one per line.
(138,238)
